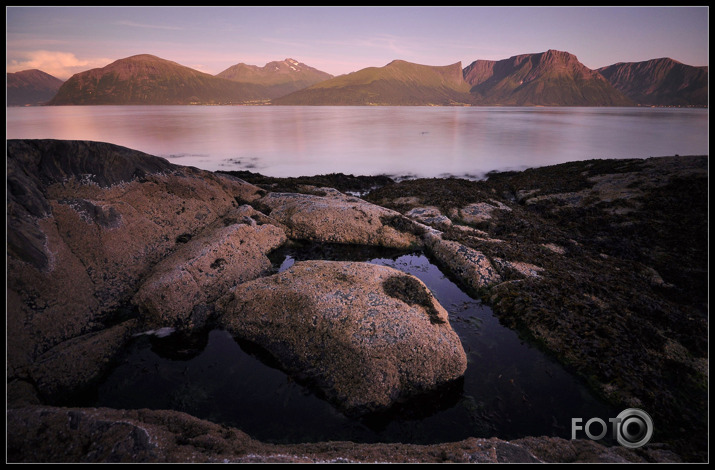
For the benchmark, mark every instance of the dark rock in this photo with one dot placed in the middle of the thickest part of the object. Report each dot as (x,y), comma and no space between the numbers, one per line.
(84,435)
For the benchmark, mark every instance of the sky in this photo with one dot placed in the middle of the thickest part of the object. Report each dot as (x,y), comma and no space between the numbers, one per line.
(63,41)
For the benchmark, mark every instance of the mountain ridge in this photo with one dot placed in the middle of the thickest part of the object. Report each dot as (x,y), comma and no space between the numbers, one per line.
(399,83)
(148,79)
(31,87)
(550,78)
(279,77)
(661,81)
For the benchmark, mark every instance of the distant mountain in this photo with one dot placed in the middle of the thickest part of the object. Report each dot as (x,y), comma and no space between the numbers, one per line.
(147,79)
(551,78)
(396,84)
(279,78)
(660,82)
(31,88)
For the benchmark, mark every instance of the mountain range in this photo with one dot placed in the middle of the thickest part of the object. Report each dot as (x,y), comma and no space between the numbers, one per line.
(551,78)
(398,83)
(147,79)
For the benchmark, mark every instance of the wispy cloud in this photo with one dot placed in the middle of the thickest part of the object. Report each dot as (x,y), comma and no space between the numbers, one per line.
(148,26)
(387,42)
(285,42)
(58,64)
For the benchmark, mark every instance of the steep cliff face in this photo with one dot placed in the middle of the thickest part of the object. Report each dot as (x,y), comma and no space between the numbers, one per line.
(660,82)
(551,78)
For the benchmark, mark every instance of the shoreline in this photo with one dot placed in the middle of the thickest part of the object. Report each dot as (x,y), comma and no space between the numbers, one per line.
(579,255)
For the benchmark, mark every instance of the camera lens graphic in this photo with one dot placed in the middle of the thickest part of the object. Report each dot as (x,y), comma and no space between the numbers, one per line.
(635,428)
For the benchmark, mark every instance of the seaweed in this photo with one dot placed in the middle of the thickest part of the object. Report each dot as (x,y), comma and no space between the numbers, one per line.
(412,292)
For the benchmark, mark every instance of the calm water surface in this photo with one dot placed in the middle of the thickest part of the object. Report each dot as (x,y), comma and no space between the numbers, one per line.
(416,141)
(510,389)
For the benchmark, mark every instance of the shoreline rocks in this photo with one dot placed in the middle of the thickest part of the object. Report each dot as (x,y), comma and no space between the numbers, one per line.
(87,222)
(333,217)
(101,435)
(583,259)
(182,287)
(603,264)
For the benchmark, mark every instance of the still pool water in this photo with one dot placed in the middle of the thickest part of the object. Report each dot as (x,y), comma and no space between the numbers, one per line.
(510,389)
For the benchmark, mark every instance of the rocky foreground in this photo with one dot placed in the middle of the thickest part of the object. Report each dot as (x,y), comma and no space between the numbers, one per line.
(604,263)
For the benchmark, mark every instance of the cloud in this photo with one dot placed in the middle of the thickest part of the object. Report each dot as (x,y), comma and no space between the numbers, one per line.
(58,64)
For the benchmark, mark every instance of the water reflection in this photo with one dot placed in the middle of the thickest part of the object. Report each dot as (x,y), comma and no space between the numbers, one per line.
(509,390)
(419,141)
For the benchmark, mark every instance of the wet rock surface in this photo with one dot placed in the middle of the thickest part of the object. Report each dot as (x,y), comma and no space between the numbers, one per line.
(603,263)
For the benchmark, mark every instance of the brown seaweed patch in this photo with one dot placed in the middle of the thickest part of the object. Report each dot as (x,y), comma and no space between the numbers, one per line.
(401,224)
(412,292)
(218,263)
(184,238)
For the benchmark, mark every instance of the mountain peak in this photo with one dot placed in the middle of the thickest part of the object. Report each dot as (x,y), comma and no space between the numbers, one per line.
(280,77)
(551,78)
(148,79)
(559,54)
(293,65)
(661,82)
(31,87)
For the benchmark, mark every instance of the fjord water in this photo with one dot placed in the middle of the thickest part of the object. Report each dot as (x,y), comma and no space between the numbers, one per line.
(398,141)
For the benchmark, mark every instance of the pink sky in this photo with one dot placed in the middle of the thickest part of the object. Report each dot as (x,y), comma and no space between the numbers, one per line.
(65,40)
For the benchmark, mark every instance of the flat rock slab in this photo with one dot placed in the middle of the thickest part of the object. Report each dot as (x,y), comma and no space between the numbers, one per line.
(479,211)
(337,218)
(367,336)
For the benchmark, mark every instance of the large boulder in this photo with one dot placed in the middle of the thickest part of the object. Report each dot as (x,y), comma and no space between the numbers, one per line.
(367,336)
(86,222)
(181,289)
(338,218)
